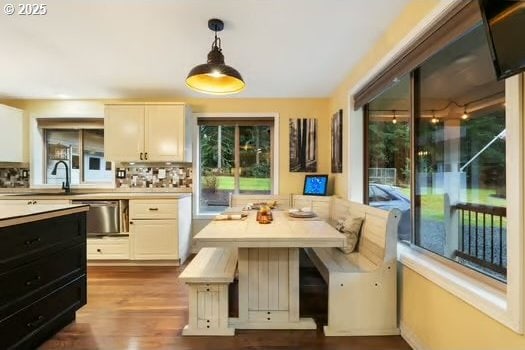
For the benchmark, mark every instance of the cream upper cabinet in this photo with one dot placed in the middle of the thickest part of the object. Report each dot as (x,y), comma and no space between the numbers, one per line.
(11,134)
(148,132)
(124,132)
(165,132)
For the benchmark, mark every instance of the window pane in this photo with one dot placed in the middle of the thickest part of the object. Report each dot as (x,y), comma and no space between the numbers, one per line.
(62,145)
(460,157)
(388,146)
(95,169)
(217,163)
(255,161)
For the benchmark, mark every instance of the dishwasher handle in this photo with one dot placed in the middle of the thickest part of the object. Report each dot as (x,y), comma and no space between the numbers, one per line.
(113,204)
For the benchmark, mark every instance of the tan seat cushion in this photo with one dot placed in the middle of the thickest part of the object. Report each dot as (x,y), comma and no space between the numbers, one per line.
(351,228)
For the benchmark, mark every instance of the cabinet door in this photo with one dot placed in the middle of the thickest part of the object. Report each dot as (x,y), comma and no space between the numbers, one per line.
(165,132)
(124,132)
(154,239)
(11,134)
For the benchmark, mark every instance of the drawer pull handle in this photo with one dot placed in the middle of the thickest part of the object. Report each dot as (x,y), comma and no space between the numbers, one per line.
(99,250)
(153,209)
(32,241)
(34,202)
(29,202)
(30,282)
(36,322)
(141,156)
(146,156)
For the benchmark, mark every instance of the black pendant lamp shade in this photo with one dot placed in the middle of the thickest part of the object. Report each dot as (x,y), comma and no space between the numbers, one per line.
(215,77)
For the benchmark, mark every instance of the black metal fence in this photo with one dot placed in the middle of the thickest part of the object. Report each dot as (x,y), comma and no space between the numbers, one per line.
(482,235)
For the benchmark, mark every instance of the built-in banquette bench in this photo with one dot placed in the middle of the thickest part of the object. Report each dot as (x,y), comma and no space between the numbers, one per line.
(241,200)
(362,295)
(208,276)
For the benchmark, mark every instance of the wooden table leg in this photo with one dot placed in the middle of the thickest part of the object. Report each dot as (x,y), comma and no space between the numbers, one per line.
(269,290)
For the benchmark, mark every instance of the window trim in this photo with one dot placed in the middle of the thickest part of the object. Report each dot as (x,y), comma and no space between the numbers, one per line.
(196,148)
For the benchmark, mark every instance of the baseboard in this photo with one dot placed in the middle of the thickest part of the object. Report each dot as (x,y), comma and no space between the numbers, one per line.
(329,332)
(411,338)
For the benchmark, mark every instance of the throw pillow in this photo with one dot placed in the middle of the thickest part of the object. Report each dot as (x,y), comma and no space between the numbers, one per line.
(351,229)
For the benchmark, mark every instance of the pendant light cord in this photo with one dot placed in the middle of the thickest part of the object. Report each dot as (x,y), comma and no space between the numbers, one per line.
(216,41)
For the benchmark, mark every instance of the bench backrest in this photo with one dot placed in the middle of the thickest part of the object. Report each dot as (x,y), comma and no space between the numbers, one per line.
(240,200)
(378,241)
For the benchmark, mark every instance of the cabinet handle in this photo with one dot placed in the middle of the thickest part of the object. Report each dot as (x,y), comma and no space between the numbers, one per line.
(99,250)
(30,282)
(153,209)
(32,241)
(146,155)
(34,202)
(36,322)
(141,156)
(131,222)
(29,202)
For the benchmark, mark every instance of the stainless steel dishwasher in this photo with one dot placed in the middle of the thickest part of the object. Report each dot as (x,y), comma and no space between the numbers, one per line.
(103,217)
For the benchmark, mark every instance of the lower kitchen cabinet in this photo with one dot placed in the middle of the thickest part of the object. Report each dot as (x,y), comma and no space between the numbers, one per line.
(42,278)
(155,239)
(108,248)
(160,229)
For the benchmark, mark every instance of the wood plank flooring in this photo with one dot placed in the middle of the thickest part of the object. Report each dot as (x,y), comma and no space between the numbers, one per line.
(146,308)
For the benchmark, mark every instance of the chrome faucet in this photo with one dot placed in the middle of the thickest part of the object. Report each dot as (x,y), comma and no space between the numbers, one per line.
(65,186)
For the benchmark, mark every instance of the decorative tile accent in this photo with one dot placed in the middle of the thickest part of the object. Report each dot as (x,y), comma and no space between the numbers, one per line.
(150,176)
(14,177)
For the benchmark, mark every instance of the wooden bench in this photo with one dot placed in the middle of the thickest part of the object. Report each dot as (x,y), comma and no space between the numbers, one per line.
(241,200)
(362,292)
(208,276)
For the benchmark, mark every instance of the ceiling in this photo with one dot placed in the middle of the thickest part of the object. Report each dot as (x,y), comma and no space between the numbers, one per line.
(140,48)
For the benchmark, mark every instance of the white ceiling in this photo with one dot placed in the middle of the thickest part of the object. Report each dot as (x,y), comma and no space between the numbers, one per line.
(139,48)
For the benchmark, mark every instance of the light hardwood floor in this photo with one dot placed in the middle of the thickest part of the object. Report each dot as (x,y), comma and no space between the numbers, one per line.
(146,308)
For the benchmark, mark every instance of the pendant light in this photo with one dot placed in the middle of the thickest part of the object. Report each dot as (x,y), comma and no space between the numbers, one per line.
(215,77)
(434,120)
(394,120)
(465,114)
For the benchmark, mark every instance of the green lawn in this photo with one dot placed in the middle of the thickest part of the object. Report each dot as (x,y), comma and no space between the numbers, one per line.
(225,183)
(433,204)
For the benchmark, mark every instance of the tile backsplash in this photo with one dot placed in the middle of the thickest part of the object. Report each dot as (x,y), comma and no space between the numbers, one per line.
(154,176)
(14,177)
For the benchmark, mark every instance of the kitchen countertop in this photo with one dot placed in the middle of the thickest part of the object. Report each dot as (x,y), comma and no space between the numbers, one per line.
(20,214)
(95,196)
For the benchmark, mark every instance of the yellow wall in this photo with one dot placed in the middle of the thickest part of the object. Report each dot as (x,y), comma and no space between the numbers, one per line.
(441,321)
(287,108)
(413,13)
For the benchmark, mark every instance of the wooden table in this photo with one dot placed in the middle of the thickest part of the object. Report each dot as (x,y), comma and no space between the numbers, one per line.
(269,265)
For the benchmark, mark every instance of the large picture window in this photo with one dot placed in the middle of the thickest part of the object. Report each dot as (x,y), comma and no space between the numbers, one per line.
(234,157)
(457,157)
(460,209)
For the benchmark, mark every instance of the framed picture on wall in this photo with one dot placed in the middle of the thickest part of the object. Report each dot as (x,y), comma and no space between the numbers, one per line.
(337,142)
(303,145)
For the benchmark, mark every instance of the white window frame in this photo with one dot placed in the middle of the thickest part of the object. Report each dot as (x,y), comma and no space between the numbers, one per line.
(36,152)
(504,303)
(196,155)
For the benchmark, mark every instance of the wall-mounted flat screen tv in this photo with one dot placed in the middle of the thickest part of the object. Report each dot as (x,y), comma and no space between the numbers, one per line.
(315,185)
(504,22)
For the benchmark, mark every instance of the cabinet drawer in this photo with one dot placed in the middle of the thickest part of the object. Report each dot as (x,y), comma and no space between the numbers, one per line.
(108,248)
(153,209)
(36,319)
(41,273)
(40,237)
